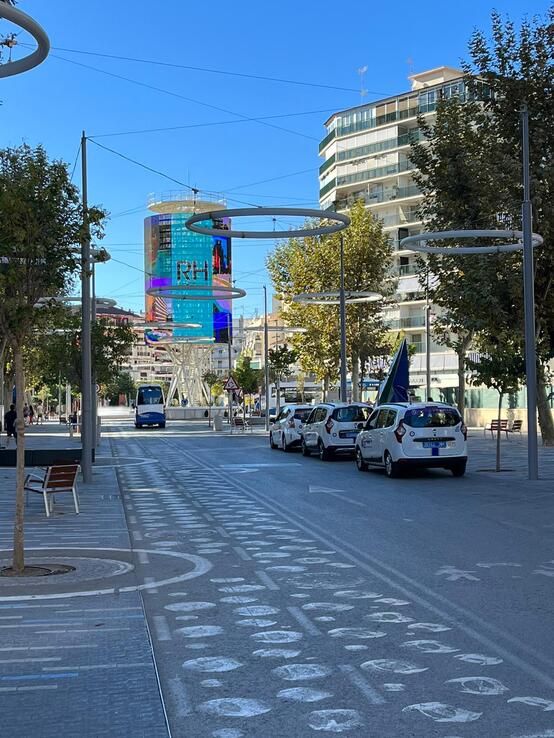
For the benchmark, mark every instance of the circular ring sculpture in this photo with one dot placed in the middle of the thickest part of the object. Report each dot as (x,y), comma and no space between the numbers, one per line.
(103,301)
(340,222)
(215,292)
(333,298)
(201,340)
(276,329)
(164,325)
(25,22)
(417,243)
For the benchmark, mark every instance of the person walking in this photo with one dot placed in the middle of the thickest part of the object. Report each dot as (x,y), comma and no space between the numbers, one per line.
(31,414)
(40,412)
(9,424)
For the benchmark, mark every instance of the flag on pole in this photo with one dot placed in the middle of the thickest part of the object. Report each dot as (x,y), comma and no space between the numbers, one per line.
(395,385)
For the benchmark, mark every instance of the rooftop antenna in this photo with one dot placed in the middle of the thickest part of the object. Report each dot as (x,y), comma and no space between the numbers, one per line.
(410,63)
(363,91)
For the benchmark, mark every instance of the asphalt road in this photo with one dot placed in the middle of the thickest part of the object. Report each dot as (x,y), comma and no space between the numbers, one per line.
(325,600)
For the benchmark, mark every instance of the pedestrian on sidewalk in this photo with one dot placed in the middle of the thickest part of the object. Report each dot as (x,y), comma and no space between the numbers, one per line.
(9,424)
(40,412)
(31,414)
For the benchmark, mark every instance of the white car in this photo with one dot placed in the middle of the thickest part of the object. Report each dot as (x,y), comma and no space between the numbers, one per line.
(401,435)
(285,433)
(332,427)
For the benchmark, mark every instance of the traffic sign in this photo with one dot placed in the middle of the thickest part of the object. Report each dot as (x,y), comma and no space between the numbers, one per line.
(231,385)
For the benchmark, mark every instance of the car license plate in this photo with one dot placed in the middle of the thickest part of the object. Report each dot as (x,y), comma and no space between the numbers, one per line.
(350,434)
(434,444)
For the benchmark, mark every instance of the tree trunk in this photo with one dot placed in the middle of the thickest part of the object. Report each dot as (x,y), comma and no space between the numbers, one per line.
(498,435)
(461,353)
(546,421)
(355,379)
(18,531)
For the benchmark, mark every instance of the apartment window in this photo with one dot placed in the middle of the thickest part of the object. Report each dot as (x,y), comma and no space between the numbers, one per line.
(427,100)
(454,89)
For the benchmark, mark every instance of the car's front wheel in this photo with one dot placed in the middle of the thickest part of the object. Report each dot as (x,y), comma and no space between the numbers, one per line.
(360,463)
(284,445)
(391,467)
(305,450)
(271,442)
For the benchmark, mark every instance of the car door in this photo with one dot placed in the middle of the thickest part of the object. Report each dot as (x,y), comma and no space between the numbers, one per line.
(366,439)
(278,425)
(379,434)
(388,423)
(311,431)
(308,429)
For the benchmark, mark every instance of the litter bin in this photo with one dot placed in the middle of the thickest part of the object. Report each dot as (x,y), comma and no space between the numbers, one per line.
(218,423)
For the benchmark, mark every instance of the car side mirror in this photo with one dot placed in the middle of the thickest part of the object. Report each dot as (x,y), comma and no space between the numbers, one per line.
(360,426)
(133,406)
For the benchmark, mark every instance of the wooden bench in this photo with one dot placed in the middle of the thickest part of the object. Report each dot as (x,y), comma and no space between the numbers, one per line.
(240,422)
(495,426)
(57,479)
(516,427)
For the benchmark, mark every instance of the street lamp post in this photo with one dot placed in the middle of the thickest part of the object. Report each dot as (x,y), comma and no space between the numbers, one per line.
(529,304)
(86,380)
(266,360)
(342,303)
(230,360)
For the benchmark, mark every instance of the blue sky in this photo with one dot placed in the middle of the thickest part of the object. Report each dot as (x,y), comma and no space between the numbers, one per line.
(324,42)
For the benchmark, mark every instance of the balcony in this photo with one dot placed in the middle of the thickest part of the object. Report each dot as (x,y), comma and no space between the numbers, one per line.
(390,143)
(328,187)
(406,270)
(414,321)
(327,140)
(374,198)
(364,125)
(327,164)
(367,174)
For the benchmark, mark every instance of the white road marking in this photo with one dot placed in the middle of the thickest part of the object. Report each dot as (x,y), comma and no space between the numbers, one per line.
(363,685)
(305,622)
(315,489)
(162,628)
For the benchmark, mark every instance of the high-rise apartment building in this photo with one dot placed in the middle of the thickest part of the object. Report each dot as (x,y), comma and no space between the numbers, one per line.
(367,156)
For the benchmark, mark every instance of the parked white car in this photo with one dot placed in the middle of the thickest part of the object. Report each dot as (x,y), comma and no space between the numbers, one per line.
(333,427)
(286,431)
(402,435)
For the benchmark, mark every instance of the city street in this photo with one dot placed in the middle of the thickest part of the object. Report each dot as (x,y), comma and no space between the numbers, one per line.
(327,600)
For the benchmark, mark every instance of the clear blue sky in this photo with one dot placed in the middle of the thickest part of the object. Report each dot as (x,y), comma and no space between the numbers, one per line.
(324,42)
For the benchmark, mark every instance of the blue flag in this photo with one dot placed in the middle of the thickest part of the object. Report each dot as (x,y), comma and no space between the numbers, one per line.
(395,385)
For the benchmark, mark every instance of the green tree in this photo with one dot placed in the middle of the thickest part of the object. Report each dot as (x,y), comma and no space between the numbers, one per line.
(61,354)
(210,379)
(518,65)
(247,378)
(312,265)
(281,360)
(121,383)
(40,227)
(501,366)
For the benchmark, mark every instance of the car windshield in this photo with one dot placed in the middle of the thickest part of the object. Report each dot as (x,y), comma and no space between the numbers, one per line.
(432,417)
(351,414)
(302,414)
(150,396)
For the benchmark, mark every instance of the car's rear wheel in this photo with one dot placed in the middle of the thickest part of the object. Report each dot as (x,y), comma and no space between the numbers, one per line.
(360,463)
(162,425)
(271,443)
(458,469)
(324,453)
(391,467)
(305,450)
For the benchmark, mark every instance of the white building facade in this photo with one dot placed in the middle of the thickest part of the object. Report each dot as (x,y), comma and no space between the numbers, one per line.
(366,156)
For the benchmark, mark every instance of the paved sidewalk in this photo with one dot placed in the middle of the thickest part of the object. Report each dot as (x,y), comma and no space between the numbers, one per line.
(76,657)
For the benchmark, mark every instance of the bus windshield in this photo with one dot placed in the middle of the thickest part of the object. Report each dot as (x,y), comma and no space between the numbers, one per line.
(150,396)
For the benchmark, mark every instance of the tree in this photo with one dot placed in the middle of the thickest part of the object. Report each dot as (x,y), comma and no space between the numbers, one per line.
(210,378)
(281,359)
(247,378)
(313,266)
(470,172)
(501,366)
(518,65)
(41,225)
(121,383)
(61,354)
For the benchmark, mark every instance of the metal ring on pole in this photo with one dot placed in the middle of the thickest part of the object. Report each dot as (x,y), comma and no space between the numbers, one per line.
(194,340)
(215,292)
(340,221)
(102,301)
(333,298)
(275,329)
(24,21)
(165,325)
(414,243)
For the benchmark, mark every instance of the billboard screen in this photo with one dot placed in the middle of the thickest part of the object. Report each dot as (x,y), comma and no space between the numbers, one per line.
(173,255)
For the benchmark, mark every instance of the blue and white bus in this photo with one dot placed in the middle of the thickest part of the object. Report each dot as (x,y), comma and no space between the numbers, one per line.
(149,406)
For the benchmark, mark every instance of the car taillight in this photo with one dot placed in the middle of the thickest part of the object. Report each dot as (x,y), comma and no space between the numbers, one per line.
(463,429)
(329,425)
(400,431)
(290,423)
